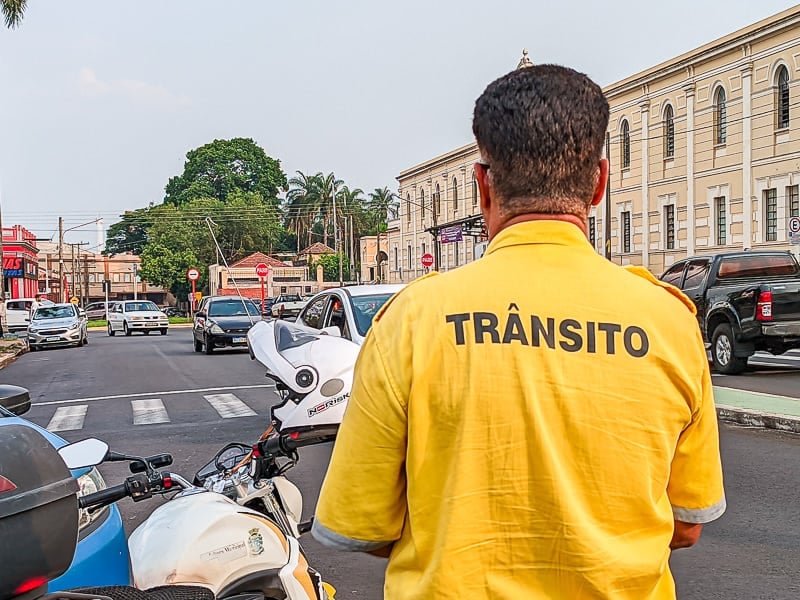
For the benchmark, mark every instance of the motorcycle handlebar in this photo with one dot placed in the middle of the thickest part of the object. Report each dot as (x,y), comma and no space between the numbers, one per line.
(104,497)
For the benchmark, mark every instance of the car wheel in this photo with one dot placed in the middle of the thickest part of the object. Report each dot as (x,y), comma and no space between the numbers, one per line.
(198,345)
(723,351)
(32,348)
(209,346)
(80,343)
(86,339)
(111,331)
(125,328)
(164,331)
(146,332)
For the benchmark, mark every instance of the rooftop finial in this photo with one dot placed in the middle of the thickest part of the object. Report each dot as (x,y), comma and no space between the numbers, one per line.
(524,61)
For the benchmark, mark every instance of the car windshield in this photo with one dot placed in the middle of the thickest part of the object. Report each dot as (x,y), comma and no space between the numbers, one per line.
(232,308)
(291,298)
(365,308)
(53,312)
(140,307)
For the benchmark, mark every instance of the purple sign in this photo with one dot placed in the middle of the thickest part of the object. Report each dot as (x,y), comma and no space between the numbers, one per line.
(450,234)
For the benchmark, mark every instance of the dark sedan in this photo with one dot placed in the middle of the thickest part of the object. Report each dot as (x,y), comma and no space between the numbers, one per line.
(223,322)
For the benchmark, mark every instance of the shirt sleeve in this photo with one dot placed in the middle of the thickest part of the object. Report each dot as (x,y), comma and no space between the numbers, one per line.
(362,504)
(695,486)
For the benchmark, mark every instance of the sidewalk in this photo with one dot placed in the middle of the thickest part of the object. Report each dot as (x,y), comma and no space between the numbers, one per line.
(10,348)
(757,409)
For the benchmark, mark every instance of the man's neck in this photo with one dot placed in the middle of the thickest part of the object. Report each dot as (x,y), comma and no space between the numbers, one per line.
(575,220)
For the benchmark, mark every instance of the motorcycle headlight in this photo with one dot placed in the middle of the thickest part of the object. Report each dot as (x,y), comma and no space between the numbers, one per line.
(90,483)
(216,329)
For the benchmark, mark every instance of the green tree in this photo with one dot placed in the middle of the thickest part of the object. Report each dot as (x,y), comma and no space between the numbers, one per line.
(178,237)
(12,11)
(222,167)
(330,267)
(130,233)
(383,206)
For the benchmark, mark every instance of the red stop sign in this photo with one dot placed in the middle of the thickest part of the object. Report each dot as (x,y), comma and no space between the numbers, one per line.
(427,260)
(262,270)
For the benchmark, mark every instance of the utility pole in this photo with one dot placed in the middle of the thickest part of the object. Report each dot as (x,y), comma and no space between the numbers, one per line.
(352,256)
(86,279)
(72,283)
(60,259)
(336,237)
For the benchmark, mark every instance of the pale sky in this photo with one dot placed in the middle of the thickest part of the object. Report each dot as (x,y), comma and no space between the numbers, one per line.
(101,100)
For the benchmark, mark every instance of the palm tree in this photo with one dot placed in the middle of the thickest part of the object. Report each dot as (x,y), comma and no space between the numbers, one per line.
(327,189)
(382,205)
(302,201)
(12,11)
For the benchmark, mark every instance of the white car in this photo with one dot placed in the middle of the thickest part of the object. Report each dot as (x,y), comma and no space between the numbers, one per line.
(351,309)
(136,315)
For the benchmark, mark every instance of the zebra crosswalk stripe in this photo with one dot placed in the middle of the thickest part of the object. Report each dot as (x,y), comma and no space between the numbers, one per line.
(149,412)
(229,406)
(68,418)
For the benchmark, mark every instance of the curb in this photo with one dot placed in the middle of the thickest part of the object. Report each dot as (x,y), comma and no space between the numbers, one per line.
(8,358)
(171,326)
(757,418)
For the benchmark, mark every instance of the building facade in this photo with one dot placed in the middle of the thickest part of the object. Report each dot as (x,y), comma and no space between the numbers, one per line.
(74,272)
(20,265)
(704,152)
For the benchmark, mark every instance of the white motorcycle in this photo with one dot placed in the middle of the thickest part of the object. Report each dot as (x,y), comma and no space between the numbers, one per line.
(235,529)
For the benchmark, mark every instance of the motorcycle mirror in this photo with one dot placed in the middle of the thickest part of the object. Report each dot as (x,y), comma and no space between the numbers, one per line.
(86,453)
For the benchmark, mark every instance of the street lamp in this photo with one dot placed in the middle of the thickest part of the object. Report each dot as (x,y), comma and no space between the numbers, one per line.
(61,232)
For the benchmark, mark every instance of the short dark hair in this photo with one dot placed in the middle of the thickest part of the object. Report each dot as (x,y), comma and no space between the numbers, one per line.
(542,130)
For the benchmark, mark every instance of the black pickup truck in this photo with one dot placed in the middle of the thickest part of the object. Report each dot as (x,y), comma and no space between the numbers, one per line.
(746,301)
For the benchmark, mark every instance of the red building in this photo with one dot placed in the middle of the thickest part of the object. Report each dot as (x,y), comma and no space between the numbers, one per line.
(20,265)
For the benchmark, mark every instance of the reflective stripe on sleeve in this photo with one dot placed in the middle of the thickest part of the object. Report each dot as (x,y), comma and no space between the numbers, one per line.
(331,539)
(699,515)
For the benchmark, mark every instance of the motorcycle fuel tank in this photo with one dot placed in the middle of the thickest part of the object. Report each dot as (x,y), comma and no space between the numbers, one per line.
(206,539)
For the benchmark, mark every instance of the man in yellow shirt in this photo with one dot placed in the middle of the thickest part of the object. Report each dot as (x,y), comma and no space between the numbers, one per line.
(539,423)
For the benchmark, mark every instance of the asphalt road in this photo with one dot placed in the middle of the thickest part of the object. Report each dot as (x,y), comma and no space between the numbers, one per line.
(752,552)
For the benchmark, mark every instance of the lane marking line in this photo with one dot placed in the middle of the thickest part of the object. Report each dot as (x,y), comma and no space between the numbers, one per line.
(149,412)
(229,406)
(68,418)
(166,393)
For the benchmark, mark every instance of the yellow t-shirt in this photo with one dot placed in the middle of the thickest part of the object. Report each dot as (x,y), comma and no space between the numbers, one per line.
(527,426)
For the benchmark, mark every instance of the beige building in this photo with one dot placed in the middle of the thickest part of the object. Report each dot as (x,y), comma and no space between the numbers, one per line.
(83,273)
(241,277)
(705,158)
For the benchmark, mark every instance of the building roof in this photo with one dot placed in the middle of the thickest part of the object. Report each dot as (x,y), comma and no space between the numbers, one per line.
(257,258)
(318,248)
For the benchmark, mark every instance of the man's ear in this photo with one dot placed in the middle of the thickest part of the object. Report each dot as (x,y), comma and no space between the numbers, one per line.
(602,182)
(482,177)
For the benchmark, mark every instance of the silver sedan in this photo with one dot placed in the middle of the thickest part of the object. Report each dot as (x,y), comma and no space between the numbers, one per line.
(57,325)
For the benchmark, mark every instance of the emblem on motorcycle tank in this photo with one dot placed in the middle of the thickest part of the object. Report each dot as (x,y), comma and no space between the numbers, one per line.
(255,542)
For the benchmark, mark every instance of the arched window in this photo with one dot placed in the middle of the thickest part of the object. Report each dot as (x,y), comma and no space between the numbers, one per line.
(408,207)
(782,97)
(669,132)
(437,200)
(720,117)
(474,190)
(455,195)
(422,203)
(625,144)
